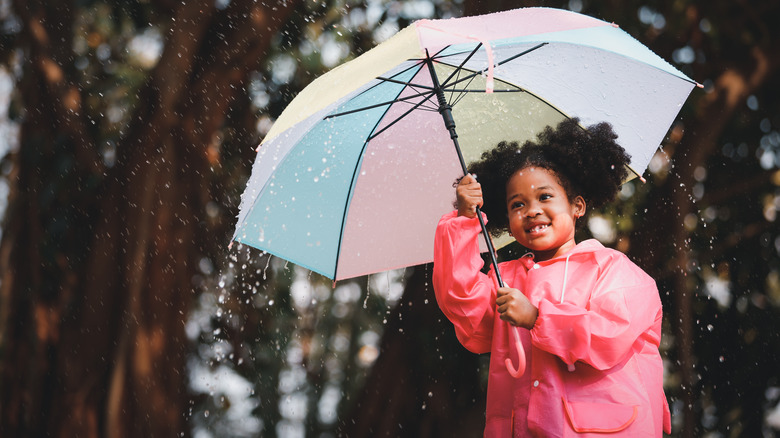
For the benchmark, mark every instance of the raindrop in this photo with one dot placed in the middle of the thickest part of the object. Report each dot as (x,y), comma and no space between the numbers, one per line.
(752,102)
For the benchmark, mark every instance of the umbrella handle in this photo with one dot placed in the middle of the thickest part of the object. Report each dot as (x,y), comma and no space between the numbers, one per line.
(516,372)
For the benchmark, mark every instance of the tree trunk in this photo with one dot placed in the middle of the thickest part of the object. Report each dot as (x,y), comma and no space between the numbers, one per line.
(97,263)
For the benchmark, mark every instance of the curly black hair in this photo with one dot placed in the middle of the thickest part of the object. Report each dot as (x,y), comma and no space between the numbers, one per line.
(587,162)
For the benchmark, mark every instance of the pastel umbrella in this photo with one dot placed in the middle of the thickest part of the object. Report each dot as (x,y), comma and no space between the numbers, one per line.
(355,173)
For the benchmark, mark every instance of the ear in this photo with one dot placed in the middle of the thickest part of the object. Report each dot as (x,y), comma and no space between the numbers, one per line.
(578,207)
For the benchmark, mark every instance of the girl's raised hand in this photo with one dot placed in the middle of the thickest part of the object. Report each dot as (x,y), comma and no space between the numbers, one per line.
(469,196)
(514,308)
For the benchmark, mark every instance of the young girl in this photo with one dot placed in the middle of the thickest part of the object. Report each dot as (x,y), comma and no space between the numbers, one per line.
(588,318)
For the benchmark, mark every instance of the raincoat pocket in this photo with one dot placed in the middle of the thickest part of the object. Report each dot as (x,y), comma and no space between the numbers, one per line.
(587,417)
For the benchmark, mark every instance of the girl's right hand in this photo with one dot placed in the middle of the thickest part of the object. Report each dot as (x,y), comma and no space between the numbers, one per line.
(514,308)
(469,196)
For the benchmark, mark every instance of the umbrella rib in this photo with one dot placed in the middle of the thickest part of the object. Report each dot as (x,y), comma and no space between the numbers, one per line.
(457,72)
(477,90)
(427,98)
(389,102)
(461,94)
(511,58)
(455,99)
(396,81)
(460,67)
(452,91)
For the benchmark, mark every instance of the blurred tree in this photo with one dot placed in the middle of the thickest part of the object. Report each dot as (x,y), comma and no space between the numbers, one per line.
(132,117)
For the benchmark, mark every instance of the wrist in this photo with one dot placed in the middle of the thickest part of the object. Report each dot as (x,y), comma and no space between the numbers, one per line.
(533,314)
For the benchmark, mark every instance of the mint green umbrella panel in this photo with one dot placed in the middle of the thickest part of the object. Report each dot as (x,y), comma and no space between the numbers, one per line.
(355,173)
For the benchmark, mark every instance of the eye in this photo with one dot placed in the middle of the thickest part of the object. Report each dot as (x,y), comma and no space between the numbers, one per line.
(545,196)
(515,205)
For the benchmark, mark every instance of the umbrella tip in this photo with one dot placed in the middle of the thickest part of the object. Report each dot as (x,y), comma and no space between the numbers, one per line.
(615,24)
(698,85)
(230,245)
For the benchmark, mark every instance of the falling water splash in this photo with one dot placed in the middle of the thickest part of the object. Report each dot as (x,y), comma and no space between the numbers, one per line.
(265,270)
(368,291)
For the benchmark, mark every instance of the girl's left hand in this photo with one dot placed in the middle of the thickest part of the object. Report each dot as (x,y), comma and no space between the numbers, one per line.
(514,308)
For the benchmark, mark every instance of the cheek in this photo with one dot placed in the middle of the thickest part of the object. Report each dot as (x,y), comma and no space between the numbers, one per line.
(515,222)
(565,219)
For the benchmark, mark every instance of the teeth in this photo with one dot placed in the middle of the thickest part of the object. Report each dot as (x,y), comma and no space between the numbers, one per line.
(538,228)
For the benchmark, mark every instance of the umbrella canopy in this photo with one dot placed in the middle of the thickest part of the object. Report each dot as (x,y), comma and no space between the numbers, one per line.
(355,173)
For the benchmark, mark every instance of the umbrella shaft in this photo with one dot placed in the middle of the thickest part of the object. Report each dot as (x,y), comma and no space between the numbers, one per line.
(445,110)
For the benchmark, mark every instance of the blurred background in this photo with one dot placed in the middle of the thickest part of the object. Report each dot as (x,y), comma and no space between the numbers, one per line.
(127,134)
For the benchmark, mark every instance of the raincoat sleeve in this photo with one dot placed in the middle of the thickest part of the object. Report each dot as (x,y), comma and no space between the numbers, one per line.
(465,295)
(622,314)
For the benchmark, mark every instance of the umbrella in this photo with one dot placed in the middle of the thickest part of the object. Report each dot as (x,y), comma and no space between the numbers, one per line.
(355,173)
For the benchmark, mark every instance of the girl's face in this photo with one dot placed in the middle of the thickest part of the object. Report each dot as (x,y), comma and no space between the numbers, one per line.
(541,217)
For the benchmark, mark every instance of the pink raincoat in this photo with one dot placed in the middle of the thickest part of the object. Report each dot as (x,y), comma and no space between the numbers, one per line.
(593,366)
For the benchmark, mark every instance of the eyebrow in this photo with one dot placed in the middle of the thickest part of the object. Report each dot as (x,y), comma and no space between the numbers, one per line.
(537,189)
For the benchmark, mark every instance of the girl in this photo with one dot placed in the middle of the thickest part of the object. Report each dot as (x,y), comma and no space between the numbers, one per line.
(589,319)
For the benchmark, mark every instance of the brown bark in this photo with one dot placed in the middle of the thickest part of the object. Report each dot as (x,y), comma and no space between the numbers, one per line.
(100,350)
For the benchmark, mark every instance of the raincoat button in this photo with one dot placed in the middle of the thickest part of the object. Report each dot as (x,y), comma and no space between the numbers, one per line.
(536,266)
(536,383)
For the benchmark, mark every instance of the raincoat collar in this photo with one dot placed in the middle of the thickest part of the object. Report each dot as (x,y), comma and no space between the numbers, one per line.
(584,247)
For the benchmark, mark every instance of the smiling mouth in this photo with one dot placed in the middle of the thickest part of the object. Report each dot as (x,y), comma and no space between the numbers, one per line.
(538,229)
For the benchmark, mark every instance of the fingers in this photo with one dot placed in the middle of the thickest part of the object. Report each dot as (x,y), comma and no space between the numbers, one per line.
(518,311)
(469,196)
(502,291)
(504,299)
(468,179)
(505,317)
(514,307)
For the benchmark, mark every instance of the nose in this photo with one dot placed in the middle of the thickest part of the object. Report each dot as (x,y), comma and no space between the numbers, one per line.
(533,210)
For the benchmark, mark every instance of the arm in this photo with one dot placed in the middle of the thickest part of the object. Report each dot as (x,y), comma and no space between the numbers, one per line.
(464,294)
(623,307)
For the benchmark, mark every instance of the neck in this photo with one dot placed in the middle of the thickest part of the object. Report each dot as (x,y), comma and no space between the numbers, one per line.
(541,256)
